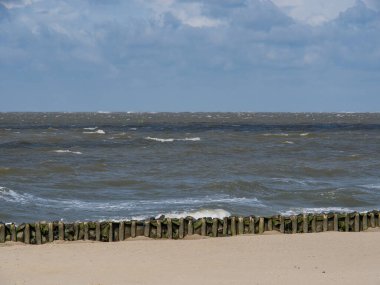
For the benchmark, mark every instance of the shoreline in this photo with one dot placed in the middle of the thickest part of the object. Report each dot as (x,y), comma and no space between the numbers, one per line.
(271,258)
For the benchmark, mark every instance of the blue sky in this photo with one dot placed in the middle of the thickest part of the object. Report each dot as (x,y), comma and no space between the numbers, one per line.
(190,55)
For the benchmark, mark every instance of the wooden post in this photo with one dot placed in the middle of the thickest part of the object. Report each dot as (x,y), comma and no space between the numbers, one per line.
(294,224)
(133,229)
(314,224)
(181,230)
(121,231)
(251,225)
(270,224)
(240,225)
(372,220)
(76,231)
(38,233)
(365,222)
(61,231)
(233,226)
(97,231)
(2,233)
(225,226)
(305,224)
(13,232)
(214,227)
(51,232)
(170,228)
(356,223)
(203,227)
(146,228)
(85,230)
(159,229)
(336,222)
(26,234)
(325,223)
(282,225)
(261,225)
(110,232)
(346,223)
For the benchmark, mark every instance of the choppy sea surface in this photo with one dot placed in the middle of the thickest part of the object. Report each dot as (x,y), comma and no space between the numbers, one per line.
(99,166)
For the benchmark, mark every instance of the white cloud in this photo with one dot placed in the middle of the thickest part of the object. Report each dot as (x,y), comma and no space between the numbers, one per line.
(11,4)
(314,12)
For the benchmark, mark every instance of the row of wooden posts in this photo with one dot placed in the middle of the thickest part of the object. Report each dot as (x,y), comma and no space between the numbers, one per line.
(43,232)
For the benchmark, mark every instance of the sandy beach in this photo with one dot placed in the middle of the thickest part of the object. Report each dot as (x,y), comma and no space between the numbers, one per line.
(323,258)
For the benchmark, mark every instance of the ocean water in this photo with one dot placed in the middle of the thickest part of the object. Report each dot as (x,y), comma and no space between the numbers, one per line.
(101,166)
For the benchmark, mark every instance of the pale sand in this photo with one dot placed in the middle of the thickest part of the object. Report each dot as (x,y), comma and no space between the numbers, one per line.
(323,258)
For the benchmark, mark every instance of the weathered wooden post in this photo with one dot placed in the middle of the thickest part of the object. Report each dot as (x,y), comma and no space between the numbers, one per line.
(305,224)
(133,229)
(38,233)
(233,226)
(170,228)
(203,227)
(2,233)
(181,230)
(214,227)
(372,219)
(357,222)
(121,231)
(325,223)
(97,231)
(294,224)
(346,222)
(336,222)
(261,225)
(50,232)
(365,222)
(146,228)
(110,232)
(85,230)
(282,224)
(159,229)
(225,226)
(251,225)
(26,234)
(13,232)
(240,225)
(314,223)
(76,231)
(61,231)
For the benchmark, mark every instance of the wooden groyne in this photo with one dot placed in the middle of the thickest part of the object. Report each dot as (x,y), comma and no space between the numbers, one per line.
(168,228)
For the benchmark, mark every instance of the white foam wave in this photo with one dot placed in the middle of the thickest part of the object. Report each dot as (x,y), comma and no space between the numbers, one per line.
(209,213)
(66,151)
(172,139)
(288,142)
(99,132)
(297,211)
(151,206)
(276,135)
(304,134)
(371,186)
(9,195)
(91,129)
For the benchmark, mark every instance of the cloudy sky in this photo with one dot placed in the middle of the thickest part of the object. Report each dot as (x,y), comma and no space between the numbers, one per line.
(190,55)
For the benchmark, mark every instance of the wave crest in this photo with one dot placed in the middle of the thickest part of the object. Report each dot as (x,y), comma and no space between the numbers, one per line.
(172,139)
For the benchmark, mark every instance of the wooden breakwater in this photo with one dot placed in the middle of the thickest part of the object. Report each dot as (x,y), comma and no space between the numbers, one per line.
(167,228)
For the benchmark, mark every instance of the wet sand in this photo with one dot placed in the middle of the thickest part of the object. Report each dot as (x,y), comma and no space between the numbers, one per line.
(323,258)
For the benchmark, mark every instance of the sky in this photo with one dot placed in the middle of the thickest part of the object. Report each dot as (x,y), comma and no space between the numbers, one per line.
(190,55)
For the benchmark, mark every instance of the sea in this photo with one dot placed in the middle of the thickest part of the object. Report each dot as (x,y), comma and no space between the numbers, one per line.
(120,166)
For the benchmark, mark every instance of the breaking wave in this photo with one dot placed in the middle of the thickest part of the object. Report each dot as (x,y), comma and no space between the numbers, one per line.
(66,151)
(172,139)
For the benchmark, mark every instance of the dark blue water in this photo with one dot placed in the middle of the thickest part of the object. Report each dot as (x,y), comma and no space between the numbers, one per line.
(94,166)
